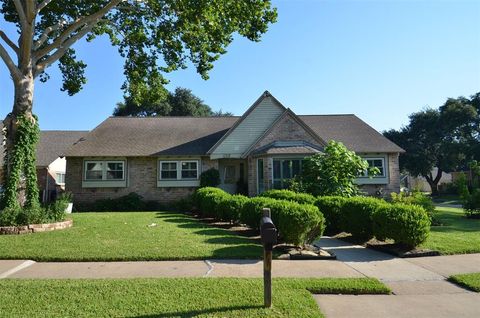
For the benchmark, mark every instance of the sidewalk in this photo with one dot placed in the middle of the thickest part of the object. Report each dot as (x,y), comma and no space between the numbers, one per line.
(418,284)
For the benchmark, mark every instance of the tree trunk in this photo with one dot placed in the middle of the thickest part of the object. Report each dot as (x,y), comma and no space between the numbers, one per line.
(14,182)
(433,182)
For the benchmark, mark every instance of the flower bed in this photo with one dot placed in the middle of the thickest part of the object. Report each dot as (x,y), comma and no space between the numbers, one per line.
(34,228)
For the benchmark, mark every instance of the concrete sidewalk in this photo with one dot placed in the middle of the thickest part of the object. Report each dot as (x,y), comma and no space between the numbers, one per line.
(418,284)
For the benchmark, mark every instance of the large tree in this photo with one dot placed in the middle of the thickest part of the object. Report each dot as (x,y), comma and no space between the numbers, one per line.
(160,102)
(446,138)
(154,36)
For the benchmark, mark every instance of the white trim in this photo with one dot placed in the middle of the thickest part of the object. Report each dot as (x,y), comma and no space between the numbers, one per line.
(384,168)
(160,169)
(178,169)
(104,170)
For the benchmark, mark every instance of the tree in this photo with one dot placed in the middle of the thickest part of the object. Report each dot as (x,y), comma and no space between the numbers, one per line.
(333,172)
(143,31)
(445,138)
(159,102)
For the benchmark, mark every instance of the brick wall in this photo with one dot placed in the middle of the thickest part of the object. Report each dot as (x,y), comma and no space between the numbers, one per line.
(142,179)
(394,179)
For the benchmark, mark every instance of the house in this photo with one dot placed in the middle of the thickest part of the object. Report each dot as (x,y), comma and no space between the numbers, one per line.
(51,165)
(161,158)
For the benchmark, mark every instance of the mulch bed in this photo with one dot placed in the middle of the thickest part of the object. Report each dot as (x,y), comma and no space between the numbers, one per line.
(400,250)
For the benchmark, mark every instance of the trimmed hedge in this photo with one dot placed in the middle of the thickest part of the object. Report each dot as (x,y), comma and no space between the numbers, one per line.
(296,223)
(302,198)
(404,223)
(366,217)
(299,223)
(332,209)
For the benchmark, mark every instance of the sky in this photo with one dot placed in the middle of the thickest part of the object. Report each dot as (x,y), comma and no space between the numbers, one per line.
(380,60)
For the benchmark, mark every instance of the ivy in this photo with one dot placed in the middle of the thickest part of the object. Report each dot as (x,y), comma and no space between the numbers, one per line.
(22,160)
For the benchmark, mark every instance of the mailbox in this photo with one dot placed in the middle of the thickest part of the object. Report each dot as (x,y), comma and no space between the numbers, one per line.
(268,232)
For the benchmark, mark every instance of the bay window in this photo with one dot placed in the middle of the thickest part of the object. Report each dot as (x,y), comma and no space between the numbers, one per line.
(284,170)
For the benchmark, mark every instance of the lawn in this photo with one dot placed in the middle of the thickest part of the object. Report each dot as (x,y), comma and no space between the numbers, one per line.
(130,237)
(457,235)
(470,281)
(170,297)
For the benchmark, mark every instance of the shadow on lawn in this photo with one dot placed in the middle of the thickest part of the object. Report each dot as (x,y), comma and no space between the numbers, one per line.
(195,313)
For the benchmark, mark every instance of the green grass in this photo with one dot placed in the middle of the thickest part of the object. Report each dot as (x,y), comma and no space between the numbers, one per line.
(457,235)
(447,199)
(172,297)
(127,237)
(469,281)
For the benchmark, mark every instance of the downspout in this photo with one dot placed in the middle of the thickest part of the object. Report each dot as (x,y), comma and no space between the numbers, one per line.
(46,185)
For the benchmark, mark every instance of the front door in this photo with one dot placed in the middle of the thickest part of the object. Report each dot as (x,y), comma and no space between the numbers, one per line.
(231,172)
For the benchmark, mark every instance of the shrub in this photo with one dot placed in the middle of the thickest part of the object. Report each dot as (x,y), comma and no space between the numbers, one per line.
(56,210)
(472,204)
(210,178)
(332,209)
(229,207)
(129,202)
(302,198)
(405,224)
(207,200)
(8,217)
(296,223)
(415,197)
(357,216)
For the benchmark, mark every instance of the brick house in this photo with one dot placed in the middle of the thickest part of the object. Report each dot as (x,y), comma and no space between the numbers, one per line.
(161,158)
(50,163)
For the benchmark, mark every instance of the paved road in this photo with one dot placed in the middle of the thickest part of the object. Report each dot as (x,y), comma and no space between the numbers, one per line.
(418,284)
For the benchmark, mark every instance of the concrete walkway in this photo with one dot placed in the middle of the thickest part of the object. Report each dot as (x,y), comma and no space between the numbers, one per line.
(418,284)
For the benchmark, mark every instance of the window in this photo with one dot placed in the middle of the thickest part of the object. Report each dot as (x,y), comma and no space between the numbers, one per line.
(104,170)
(178,170)
(284,170)
(189,170)
(375,163)
(168,170)
(230,174)
(60,177)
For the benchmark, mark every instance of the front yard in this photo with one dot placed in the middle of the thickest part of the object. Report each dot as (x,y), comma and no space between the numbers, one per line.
(470,281)
(169,297)
(456,235)
(130,236)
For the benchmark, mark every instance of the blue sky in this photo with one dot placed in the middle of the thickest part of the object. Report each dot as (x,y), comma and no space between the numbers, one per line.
(381,60)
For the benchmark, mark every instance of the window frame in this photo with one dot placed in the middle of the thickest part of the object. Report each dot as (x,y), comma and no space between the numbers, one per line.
(365,173)
(179,170)
(104,170)
(282,179)
(56,178)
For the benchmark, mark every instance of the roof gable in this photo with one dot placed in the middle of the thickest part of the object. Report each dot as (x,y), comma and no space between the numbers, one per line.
(287,127)
(246,131)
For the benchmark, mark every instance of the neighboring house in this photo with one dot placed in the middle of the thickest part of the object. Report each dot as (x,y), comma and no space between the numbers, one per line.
(161,158)
(50,163)
(421,184)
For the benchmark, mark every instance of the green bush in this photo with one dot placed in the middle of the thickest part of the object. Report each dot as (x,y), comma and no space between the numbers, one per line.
(415,197)
(357,216)
(296,223)
(471,204)
(208,199)
(9,216)
(332,209)
(405,224)
(210,178)
(56,210)
(251,211)
(302,198)
(229,207)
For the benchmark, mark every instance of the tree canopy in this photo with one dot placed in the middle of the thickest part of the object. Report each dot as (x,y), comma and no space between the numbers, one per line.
(446,138)
(160,102)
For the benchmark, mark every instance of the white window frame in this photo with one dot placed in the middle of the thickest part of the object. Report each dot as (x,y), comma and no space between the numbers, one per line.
(104,170)
(179,169)
(56,178)
(365,173)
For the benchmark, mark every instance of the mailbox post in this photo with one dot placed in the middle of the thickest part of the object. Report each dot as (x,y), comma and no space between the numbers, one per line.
(268,233)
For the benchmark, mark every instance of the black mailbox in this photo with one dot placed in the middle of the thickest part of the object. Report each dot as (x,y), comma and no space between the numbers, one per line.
(268,232)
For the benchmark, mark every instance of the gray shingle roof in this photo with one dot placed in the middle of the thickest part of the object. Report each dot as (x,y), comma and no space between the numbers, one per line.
(53,144)
(353,132)
(156,136)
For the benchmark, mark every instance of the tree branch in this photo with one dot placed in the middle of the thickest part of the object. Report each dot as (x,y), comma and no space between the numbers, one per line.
(20,11)
(46,32)
(14,71)
(10,43)
(62,49)
(93,18)
(42,5)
